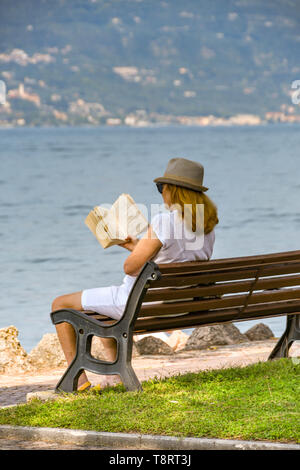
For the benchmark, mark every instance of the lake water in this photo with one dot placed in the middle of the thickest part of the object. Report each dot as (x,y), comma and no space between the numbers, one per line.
(51,178)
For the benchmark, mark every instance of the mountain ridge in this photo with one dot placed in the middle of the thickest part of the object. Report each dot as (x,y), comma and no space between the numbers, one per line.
(95,62)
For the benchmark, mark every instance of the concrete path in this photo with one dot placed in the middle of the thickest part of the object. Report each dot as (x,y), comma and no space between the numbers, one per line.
(21,444)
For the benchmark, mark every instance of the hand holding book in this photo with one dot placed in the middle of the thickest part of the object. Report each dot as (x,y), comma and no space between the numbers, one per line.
(130,243)
(116,225)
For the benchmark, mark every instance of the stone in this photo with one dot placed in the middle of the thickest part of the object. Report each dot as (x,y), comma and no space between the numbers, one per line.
(135,352)
(151,345)
(49,354)
(161,335)
(45,395)
(97,349)
(259,332)
(177,340)
(214,335)
(13,358)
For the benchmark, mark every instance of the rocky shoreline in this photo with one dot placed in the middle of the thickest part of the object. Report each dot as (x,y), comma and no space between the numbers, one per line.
(48,353)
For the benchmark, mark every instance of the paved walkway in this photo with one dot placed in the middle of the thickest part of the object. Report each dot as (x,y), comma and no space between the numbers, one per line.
(17,444)
(14,388)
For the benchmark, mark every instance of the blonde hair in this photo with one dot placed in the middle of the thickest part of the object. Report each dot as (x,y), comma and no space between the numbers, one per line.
(187,200)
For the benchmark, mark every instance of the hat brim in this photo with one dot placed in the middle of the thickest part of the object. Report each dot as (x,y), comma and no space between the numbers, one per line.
(183,184)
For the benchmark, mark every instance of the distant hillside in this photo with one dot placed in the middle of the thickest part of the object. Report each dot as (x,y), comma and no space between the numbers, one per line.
(98,61)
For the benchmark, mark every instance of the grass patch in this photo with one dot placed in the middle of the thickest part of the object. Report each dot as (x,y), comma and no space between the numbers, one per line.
(259,402)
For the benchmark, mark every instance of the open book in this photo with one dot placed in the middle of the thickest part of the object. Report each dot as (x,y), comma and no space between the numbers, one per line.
(112,226)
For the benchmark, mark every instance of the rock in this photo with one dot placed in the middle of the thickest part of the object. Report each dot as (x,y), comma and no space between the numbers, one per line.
(161,335)
(135,352)
(97,349)
(13,358)
(49,354)
(46,395)
(215,335)
(151,345)
(259,332)
(177,340)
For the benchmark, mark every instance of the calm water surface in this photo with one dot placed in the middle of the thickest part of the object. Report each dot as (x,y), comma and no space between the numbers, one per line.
(51,178)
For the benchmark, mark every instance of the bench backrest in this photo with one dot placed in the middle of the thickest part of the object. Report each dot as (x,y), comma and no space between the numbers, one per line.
(195,293)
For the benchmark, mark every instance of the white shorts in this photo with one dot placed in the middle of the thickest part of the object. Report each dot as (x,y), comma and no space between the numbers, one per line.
(109,301)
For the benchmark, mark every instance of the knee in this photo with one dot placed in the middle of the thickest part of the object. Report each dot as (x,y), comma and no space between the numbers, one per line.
(58,303)
(67,301)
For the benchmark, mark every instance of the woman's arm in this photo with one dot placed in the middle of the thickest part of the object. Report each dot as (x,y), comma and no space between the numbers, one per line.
(142,251)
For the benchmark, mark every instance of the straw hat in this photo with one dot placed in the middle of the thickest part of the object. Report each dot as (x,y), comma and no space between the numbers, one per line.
(185,173)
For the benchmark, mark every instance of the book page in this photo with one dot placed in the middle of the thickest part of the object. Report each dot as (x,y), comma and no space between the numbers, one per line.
(95,222)
(107,226)
(129,218)
(93,219)
(101,230)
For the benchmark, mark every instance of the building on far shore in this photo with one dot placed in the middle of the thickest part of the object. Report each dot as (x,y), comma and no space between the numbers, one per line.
(24,95)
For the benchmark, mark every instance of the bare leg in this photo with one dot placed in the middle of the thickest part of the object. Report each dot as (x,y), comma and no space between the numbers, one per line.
(65,331)
(111,354)
(67,336)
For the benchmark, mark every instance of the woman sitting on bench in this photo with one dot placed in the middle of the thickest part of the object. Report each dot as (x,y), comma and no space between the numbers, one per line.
(167,240)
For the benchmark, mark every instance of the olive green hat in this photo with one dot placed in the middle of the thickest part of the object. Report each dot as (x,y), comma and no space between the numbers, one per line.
(185,173)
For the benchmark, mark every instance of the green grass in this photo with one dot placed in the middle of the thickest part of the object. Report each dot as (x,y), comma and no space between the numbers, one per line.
(259,402)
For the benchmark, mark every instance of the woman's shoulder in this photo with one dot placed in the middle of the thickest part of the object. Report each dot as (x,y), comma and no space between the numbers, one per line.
(162,223)
(162,216)
(164,220)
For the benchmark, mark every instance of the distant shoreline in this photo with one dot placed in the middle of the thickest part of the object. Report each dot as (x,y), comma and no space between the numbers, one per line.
(150,126)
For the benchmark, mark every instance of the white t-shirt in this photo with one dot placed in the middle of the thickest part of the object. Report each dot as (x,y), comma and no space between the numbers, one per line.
(178,245)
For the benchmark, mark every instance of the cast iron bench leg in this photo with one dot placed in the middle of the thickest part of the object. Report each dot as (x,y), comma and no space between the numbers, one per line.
(122,331)
(82,360)
(130,380)
(127,374)
(291,334)
(68,382)
(85,328)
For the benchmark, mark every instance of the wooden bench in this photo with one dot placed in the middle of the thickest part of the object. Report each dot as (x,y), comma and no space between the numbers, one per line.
(215,291)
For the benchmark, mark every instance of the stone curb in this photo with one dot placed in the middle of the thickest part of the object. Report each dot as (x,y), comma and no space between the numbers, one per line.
(137,441)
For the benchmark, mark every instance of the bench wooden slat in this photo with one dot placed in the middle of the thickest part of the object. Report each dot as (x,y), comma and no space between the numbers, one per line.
(91,313)
(220,288)
(97,316)
(229,274)
(108,320)
(195,319)
(224,302)
(229,262)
